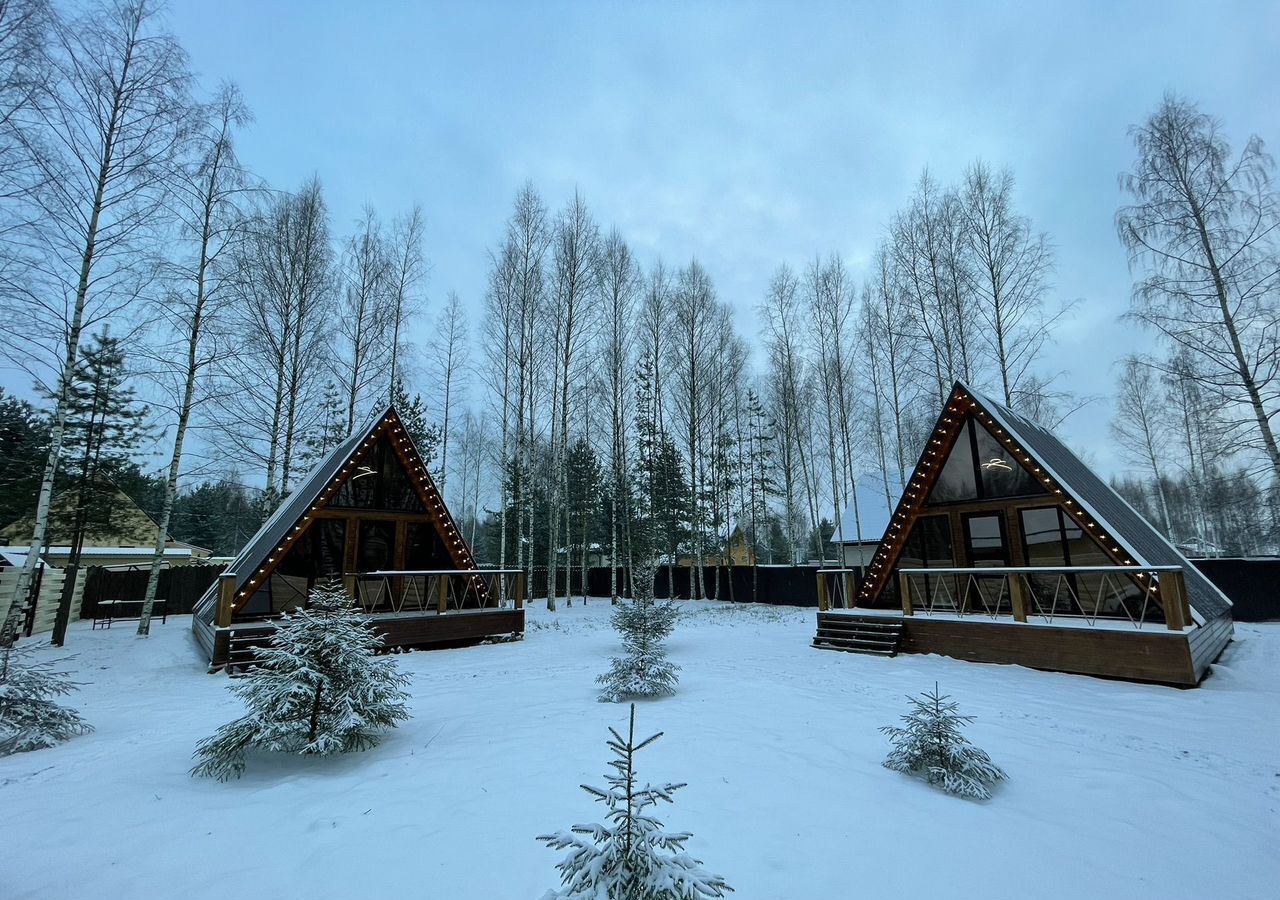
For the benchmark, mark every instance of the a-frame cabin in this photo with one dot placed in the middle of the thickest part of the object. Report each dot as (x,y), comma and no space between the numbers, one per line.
(370,515)
(1005,547)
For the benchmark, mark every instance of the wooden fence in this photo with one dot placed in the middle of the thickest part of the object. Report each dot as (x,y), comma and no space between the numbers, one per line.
(180,586)
(51,581)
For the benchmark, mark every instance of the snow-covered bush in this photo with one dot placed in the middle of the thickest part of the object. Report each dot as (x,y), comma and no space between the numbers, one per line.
(930,746)
(629,856)
(29,719)
(644,625)
(318,688)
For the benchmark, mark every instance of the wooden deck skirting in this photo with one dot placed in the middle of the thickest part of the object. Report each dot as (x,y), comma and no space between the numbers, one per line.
(232,644)
(1155,655)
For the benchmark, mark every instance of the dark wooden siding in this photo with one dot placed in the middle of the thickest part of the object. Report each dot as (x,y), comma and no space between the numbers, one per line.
(1147,655)
(204,635)
(450,629)
(1208,642)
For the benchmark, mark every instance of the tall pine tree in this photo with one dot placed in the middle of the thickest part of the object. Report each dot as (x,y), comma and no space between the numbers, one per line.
(105,424)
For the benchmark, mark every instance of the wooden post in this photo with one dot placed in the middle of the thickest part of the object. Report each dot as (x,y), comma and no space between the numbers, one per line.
(1017,596)
(1173,597)
(518,590)
(847,599)
(226,600)
(904,588)
(822,593)
(442,594)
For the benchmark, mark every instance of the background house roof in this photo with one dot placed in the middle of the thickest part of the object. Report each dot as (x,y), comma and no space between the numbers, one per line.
(873,510)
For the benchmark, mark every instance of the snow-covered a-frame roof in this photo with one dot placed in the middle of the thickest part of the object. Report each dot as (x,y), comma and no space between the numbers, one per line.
(864,521)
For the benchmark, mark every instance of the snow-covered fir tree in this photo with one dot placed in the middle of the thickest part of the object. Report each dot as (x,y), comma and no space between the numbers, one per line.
(644,624)
(318,688)
(629,856)
(29,717)
(930,746)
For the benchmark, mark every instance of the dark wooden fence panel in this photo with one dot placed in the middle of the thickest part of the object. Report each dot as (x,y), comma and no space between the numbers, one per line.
(1252,586)
(180,586)
(777,585)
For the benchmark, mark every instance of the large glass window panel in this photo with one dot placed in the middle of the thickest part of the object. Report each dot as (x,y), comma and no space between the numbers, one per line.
(958,479)
(377,547)
(379,482)
(986,540)
(1002,475)
(1042,536)
(423,548)
(318,553)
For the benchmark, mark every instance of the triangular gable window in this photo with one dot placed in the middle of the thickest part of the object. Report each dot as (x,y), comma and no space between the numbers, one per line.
(979,468)
(379,482)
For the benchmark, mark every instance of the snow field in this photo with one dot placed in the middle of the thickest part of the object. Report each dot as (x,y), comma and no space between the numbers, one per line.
(1115,789)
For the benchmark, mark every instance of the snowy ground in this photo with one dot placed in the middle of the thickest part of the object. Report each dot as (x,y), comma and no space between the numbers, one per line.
(1116,790)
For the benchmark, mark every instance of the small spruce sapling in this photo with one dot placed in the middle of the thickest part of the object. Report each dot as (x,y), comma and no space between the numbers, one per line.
(644,625)
(319,688)
(930,746)
(29,718)
(629,856)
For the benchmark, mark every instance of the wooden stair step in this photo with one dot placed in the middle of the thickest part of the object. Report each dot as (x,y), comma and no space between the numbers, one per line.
(827,644)
(861,632)
(857,639)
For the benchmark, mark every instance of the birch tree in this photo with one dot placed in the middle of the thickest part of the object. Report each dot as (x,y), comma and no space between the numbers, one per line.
(1140,429)
(282,306)
(1011,267)
(365,323)
(574,302)
(25,70)
(450,371)
(501,373)
(1202,232)
(114,117)
(693,317)
(408,268)
(621,284)
(208,199)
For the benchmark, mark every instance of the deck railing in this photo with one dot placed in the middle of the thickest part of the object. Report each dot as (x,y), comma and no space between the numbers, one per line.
(439,590)
(1048,593)
(836,588)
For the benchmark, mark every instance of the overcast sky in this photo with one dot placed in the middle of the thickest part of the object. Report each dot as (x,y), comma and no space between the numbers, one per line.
(746,135)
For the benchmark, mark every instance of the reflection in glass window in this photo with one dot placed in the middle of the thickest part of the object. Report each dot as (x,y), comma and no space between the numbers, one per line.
(423,548)
(958,479)
(1002,475)
(379,482)
(318,553)
(377,546)
(978,468)
(1042,537)
(986,540)
(929,546)
(1052,538)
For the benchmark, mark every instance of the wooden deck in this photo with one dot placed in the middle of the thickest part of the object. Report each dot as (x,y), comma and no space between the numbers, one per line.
(234,644)
(1152,655)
